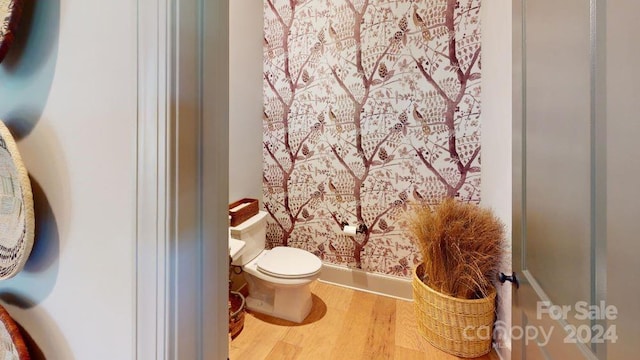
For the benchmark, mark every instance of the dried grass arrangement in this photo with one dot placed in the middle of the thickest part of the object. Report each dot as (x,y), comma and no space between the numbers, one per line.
(462,246)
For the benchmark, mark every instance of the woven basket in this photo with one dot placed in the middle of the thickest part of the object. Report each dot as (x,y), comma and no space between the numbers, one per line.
(12,344)
(457,326)
(236,313)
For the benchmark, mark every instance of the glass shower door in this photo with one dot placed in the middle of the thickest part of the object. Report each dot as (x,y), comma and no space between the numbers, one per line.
(555,190)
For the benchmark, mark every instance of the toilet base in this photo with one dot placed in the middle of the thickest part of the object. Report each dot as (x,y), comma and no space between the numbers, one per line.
(288,303)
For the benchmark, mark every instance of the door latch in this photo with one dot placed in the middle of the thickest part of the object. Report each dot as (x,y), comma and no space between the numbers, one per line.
(502,278)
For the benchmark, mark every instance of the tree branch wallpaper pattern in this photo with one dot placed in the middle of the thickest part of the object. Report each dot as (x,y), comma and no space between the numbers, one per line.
(369,106)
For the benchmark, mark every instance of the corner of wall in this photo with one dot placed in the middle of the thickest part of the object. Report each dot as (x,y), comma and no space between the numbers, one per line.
(245,99)
(496,138)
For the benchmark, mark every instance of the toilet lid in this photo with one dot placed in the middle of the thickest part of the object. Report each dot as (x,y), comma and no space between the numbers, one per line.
(289,262)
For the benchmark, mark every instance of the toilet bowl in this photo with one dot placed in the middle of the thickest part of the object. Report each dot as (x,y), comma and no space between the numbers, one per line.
(278,279)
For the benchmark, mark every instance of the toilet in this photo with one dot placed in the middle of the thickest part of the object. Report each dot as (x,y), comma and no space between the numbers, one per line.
(279,279)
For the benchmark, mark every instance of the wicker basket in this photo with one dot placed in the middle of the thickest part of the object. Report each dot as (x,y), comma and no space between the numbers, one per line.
(457,326)
(236,313)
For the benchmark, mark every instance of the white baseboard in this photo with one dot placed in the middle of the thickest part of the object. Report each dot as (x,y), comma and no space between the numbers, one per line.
(392,286)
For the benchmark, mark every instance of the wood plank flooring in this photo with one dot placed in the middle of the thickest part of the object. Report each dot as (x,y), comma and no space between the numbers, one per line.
(343,324)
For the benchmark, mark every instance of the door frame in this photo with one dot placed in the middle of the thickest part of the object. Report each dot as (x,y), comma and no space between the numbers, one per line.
(182,180)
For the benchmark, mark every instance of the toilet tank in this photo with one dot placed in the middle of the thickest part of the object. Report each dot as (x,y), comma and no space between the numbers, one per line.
(253,232)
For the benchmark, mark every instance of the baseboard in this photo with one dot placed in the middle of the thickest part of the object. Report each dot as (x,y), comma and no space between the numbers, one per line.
(503,351)
(392,286)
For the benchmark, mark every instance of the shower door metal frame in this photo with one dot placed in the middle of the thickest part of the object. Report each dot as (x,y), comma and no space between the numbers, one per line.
(530,287)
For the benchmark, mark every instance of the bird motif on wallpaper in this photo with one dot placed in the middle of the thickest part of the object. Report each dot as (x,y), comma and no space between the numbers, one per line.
(334,119)
(267,185)
(416,194)
(334,190)
(417,19)
(418,117)
(334,36)
(332,116)
(419,23)
(267,119)
(332,187)
(266,45)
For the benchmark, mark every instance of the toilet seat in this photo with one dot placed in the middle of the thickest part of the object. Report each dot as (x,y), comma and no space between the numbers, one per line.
(289,263)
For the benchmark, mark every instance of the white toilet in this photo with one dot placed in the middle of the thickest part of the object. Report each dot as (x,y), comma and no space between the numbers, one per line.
(279,278)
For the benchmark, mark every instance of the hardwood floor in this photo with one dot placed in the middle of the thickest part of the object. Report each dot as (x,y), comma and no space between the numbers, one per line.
(343,324)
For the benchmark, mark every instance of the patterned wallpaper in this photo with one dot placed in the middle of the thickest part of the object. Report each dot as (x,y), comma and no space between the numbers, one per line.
(369,106)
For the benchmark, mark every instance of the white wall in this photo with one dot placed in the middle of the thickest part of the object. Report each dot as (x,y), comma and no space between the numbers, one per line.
(496,133)
(245,99)
(68,91)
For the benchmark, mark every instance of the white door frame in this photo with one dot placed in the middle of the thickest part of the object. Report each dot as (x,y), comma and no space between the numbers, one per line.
(182,176)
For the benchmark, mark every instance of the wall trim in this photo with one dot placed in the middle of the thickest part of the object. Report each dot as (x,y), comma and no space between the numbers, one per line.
(379,284)
(152,233)
(182,180)
(214,162)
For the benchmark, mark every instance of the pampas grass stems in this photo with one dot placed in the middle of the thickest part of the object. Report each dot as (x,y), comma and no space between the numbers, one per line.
(461,245)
